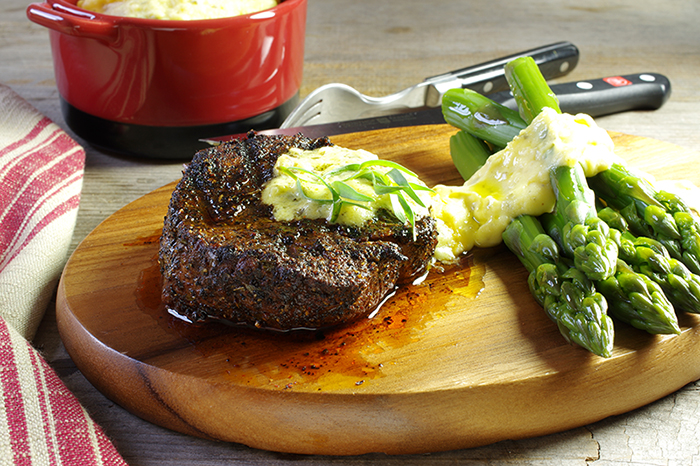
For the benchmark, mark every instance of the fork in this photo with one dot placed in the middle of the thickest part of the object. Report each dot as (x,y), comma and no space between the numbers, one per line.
(340,102)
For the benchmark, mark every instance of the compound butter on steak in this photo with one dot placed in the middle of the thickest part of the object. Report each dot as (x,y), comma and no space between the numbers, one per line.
(225,256)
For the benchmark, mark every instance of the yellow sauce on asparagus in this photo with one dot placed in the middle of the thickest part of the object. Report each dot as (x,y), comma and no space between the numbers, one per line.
(515,181)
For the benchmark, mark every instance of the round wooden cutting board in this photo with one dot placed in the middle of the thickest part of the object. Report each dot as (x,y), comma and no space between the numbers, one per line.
(465,358)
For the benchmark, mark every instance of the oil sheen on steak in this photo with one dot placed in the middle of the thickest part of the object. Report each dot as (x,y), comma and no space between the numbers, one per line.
(223,255)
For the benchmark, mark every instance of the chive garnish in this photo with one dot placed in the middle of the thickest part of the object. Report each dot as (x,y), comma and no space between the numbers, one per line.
(340,194)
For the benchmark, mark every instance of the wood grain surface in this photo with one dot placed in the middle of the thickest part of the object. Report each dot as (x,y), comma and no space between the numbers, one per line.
(464,359)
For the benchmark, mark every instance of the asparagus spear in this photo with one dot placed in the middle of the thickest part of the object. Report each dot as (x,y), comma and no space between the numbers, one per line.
(468,153)
(688,227)
(637,300)
(690,239)
(649,257)
(481,117)
(634,198)
(576,227)
(633,297)
(530,90)
(567,296)
(651,212)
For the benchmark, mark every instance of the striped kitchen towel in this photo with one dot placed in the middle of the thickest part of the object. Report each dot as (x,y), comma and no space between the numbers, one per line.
(41,172)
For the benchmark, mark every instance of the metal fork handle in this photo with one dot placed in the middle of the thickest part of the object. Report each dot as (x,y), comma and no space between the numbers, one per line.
(554,60)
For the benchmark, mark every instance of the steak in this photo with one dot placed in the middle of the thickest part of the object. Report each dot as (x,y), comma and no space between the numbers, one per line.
(223,256)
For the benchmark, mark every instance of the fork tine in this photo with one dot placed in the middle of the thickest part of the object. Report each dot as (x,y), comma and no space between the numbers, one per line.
(300,113)
(311,111)
(309,107)
(306,110)
(321,101)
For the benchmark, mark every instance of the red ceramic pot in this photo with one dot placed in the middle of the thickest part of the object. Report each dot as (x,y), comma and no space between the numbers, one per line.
(156,87)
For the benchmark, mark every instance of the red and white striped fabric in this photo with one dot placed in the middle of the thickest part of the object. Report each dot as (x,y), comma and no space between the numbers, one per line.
(41,422)
(41,172)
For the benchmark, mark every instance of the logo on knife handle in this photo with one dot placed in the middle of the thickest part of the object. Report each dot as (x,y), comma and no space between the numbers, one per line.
(617,81)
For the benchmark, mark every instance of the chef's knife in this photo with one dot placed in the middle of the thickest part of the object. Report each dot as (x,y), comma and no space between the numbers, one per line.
(596,97)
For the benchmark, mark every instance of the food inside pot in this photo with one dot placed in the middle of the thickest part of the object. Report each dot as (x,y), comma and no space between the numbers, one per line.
(177,9)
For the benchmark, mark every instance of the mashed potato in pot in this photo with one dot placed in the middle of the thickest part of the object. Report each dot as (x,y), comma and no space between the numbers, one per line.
(177,9)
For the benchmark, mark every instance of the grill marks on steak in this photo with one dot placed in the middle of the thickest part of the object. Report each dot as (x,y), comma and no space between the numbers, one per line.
(223,255)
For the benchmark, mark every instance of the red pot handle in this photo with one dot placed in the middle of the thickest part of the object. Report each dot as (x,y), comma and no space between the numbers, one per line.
(71,21)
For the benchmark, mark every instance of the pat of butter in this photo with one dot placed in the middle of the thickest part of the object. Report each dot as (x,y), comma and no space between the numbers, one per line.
(515,181)
(288,203)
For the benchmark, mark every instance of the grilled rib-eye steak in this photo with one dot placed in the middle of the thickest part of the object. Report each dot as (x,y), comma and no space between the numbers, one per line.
(224,256)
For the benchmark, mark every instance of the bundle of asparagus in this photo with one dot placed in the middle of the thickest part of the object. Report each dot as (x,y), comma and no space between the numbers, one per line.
(615,246)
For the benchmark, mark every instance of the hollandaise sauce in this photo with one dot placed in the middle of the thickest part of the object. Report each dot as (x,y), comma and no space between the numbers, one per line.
(515,181)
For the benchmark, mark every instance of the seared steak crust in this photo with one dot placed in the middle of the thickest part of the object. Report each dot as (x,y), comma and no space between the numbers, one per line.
(223,255)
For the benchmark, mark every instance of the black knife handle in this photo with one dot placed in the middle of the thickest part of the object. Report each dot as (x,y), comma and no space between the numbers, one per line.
(604,96)
(554,60)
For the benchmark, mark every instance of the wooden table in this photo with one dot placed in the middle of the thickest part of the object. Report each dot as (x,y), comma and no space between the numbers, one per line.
(382,47)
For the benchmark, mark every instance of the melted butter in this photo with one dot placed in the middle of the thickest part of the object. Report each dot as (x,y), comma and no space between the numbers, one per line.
(515,181)
(288,203)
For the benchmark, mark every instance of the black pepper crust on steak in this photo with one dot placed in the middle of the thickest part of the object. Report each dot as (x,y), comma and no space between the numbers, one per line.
(223,255)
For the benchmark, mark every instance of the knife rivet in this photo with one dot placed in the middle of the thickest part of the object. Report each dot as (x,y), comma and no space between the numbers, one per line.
(584,85)
(647,77)
(488,86)
(563,67)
